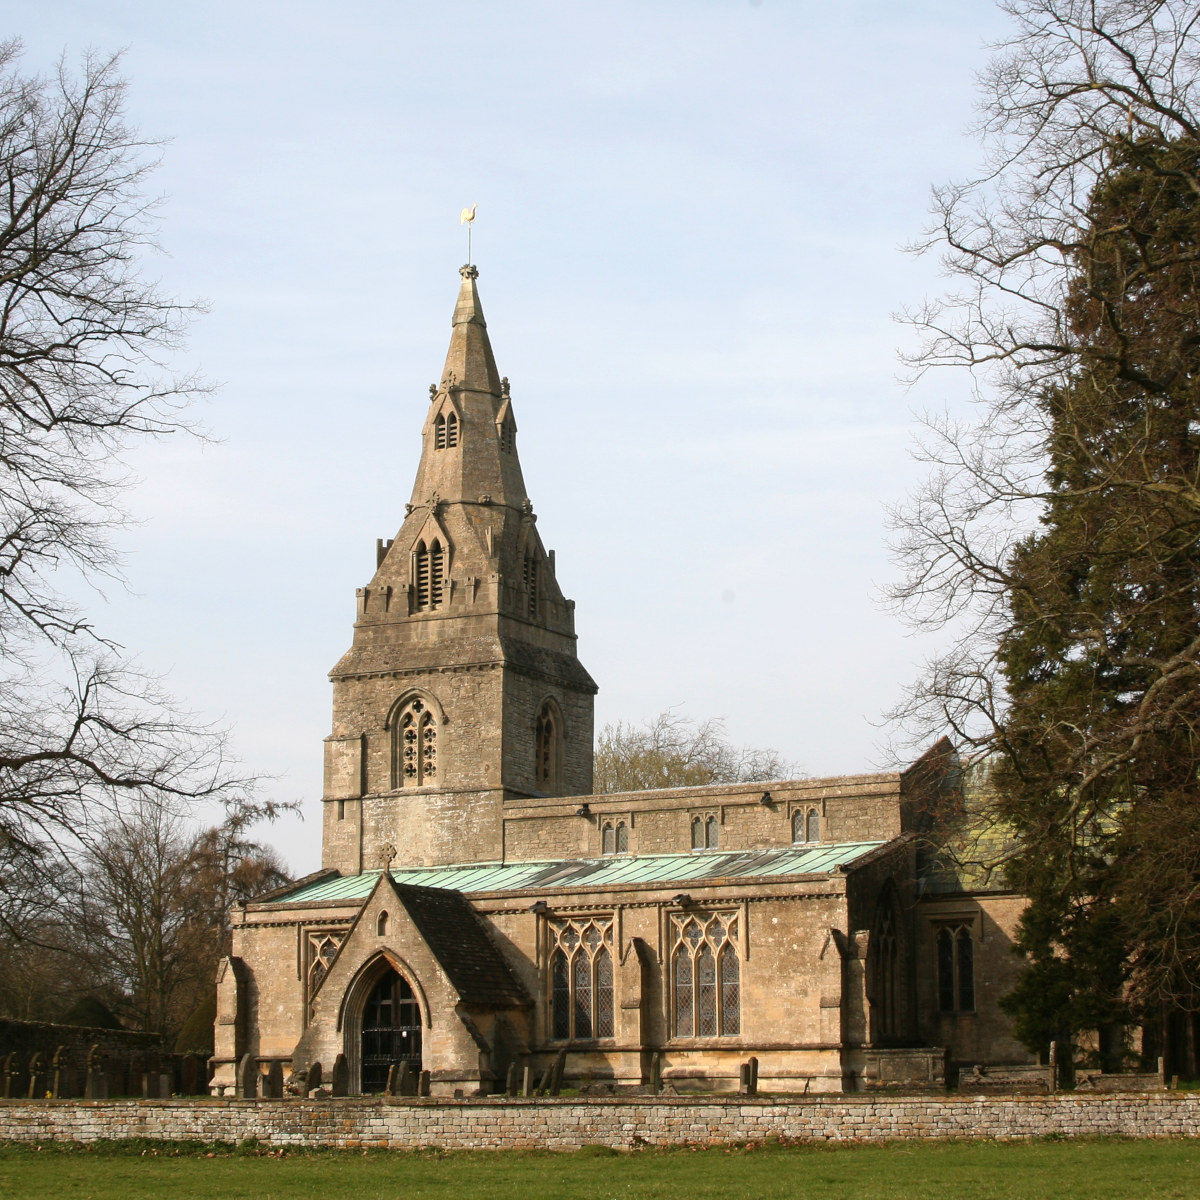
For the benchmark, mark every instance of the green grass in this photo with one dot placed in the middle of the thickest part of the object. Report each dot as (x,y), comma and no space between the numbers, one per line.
(1062,1170)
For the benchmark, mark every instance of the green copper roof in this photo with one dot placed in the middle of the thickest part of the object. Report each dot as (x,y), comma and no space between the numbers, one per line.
(614,871)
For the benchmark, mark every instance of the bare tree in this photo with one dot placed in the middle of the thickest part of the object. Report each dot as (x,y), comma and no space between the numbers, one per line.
(671,750)
(1057,537)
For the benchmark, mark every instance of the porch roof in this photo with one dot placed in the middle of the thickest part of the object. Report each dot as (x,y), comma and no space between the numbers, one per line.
(612,871)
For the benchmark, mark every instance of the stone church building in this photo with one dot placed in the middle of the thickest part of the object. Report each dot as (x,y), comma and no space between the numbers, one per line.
(478,906)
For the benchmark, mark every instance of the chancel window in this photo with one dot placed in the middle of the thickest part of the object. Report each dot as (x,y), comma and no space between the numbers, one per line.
(414,746)
(705,833)
(445,431)
(956,968)
(581,979)
(616,837)
(429,573)
(705,976)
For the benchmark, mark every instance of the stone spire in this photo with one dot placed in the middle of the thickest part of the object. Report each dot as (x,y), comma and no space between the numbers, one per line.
(470,363)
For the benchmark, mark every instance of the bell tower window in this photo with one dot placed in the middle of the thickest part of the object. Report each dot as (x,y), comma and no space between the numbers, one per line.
(414,746)
(529,578)
(547,747)
(429,567)
(445,431)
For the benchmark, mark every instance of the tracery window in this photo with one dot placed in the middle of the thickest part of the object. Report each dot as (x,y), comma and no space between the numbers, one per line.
(547,741)
(581,979)
(414,745)
(616,837)
(706,976)
(705,833)
(955,968)
(429,573)
(322,947)
(445,431)
(806,826)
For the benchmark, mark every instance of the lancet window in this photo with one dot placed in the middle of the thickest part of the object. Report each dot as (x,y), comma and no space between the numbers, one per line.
(530,571)
(429,573)
(616,837)
(956,968)
(806,826)
(705,833)
(885,955)
(547,747)
(414,746)
(445,431)
(705,976)
(581,979)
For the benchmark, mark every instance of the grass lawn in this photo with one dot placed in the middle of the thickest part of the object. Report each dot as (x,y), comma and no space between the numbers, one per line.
(1062,1170)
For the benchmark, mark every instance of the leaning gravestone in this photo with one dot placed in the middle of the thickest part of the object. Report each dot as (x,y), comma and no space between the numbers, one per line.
(314,1076)
(423,1082)
(392,1088)
(340,1076)
(247,1078)
(273,1084)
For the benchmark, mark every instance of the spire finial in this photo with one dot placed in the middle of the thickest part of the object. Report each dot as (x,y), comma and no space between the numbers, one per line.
(467,271)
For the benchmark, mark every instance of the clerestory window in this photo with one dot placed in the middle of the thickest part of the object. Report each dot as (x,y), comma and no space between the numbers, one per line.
(806,826)
(705,833)
(706,993)
(616,837)
(581,979)
(956,968)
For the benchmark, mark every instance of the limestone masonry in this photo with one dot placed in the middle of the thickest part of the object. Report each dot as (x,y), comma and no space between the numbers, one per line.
(480,915)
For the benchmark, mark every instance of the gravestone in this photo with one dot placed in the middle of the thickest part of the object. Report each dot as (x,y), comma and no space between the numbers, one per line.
(510,1082)
(273,1084)
(526,1080)
(543,1087)
(247,1078)
(656,1072)
(137,1071)
(37,1076)
(406,1079)
(423,1083)
(314,1076)
(340,1076)
(393,1080)
(556,1078)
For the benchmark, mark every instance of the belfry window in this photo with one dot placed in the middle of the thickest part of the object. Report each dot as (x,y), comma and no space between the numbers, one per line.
(705,976)
(955,969)
(445,431)
(429,574)
(547,748)
(581,980)
(530,570)
(414,746)
(616,837)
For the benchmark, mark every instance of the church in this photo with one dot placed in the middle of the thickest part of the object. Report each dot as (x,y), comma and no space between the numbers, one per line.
(479,907)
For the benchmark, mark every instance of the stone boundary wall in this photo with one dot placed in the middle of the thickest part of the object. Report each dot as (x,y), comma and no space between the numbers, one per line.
(623,1123)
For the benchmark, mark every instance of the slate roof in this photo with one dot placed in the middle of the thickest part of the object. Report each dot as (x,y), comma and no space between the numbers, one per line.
(454,933)
(614,871)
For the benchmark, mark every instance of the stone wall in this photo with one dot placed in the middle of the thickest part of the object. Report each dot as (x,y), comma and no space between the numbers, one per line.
(567,1124)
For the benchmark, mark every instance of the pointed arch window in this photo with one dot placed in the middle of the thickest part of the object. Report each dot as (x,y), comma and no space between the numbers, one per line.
(616,837)
(813,830)
(581,980)
(530,572)
(429,574)
(706,976)
(884,953)
(548,747)
(414,746)
(956,969)
(705,832)
(806,826)
(445,431)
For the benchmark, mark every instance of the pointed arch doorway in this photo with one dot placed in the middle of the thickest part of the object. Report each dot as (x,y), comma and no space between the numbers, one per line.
(391,1030)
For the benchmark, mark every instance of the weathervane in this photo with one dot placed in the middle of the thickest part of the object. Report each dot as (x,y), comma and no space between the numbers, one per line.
(467,218)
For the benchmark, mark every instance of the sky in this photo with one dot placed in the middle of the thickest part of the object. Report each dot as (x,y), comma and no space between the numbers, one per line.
(691,225)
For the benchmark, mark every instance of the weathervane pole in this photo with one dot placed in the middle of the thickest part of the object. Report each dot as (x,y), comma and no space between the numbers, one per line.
(467,218)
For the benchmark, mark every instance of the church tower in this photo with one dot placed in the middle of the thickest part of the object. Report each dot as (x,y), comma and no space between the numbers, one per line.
(462,690)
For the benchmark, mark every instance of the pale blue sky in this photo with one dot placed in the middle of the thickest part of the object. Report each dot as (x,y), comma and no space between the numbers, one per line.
(689,232)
